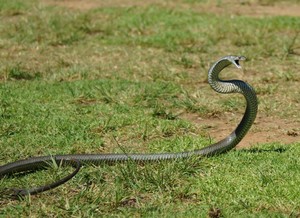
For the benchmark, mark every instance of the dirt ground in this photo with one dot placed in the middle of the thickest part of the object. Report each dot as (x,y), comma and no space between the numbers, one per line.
(241,7)
(265,129)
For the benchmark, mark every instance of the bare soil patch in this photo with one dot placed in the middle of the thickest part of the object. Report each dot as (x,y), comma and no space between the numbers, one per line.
(264,129)
(91,4)
(253,10)
(246,8)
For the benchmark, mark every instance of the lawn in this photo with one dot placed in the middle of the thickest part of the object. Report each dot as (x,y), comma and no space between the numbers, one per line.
(127,76)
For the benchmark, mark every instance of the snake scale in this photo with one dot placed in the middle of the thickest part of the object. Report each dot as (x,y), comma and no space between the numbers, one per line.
(224,145)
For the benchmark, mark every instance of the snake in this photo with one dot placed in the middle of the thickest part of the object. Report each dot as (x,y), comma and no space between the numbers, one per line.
(76,160)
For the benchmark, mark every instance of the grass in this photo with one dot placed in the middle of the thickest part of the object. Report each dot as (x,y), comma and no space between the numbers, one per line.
(115,79)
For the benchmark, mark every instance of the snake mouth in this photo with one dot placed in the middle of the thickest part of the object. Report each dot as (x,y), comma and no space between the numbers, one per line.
(237,61)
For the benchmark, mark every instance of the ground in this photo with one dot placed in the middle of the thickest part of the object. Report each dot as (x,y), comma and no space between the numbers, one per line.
(249,8)
(265,129)
(130,76)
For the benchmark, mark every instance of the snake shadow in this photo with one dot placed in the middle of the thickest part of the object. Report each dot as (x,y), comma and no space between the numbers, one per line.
(262,150)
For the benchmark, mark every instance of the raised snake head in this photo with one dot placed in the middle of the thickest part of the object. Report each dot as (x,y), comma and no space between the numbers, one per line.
(235,60)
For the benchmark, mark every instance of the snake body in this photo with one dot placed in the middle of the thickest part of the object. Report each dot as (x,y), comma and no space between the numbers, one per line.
(221,86)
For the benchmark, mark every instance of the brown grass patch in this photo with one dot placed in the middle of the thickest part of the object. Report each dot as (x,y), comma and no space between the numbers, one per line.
(247,8)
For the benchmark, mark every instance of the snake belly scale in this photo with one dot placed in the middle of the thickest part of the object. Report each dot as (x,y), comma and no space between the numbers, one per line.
(224,145)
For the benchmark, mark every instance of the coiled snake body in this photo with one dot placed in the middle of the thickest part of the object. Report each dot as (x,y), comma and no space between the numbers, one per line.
(221,86)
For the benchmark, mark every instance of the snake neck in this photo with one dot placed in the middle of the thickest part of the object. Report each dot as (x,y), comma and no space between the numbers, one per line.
(222,86)
(232,86)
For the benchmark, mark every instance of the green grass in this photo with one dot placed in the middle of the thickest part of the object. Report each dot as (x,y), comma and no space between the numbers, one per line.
(118,79)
